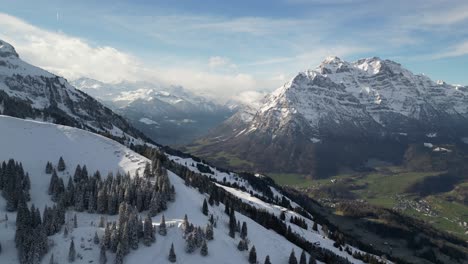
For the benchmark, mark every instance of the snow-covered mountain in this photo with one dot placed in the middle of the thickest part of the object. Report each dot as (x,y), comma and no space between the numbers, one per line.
(29,92)
(168,114)
(339,105)
(22,138)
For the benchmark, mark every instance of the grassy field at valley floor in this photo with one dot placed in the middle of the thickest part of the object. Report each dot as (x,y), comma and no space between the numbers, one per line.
(388,187)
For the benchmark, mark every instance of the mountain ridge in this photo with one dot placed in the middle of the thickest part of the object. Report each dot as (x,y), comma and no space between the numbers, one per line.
(27,91)
(368,108)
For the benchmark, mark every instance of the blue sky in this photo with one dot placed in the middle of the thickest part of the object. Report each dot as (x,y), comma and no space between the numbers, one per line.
(233,48)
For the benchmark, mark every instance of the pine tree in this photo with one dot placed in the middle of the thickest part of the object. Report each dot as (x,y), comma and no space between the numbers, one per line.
(312,260)
(162,227)
(267,260)
(205,207)
(292,258)
(148,236)
(172,256)
(303,259)
(232,224)
(133,230)
(209,231)
(315,227)
(282,216)
(204,249)
(51,260)
(75,222)
(125,240)
(190,243)
(71,252)
(243,233)
(96,238)
(65,232)
(53,182)
(119,254)
(48,169)
(61,165)
(106,241)
(253,256)
(102,255)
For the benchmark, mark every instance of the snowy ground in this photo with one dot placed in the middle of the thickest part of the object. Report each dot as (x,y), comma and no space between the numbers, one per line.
(34,143)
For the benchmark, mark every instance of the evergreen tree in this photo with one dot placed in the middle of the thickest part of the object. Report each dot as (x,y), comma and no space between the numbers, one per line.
(242,245)
(148,236)
(133,230)
(48,168)
(102,255)
(232,224)
(61,165)
(65,232)
(292,258)
(282,216)
(124,241)
(267,260)
(96,238)
(253,256)
(209,231)
(303,259)
(106,241)
(190,243)
(75,222)
(71,252)
(315,227)
(119,254)
(51,260)
(53,182)
(312,260)
(162,227)
(172,256)
(204,249)
(243,233)
(205,207)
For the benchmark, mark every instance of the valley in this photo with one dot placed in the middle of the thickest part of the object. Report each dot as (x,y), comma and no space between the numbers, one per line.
(389,187)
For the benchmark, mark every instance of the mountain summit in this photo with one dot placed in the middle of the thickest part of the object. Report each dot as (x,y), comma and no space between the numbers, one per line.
(358,109)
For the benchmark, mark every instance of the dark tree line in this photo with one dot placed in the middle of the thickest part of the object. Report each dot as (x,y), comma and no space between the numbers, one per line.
(124,235)
(262,217)
(14,183)
(32,230)
(93,194)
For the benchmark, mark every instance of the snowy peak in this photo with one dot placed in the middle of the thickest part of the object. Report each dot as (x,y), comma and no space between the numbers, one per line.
(7,50)
(371,98)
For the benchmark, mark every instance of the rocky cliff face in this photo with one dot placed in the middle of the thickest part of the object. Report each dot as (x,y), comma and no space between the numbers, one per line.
(343,113)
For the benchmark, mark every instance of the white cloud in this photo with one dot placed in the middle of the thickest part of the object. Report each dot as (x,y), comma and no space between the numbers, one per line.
(73,57)
(455,51)
(217,62)
(65,55)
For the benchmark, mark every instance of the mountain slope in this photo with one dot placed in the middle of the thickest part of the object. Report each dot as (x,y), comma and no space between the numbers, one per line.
(22,140)
(341,114)
(168,114)
(29,92)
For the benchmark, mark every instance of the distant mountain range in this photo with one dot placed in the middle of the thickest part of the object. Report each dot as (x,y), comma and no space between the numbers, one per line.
(169,114)
(339,115)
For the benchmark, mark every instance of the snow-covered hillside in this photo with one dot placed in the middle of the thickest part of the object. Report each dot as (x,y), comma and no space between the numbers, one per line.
(35,143)
(30,92)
